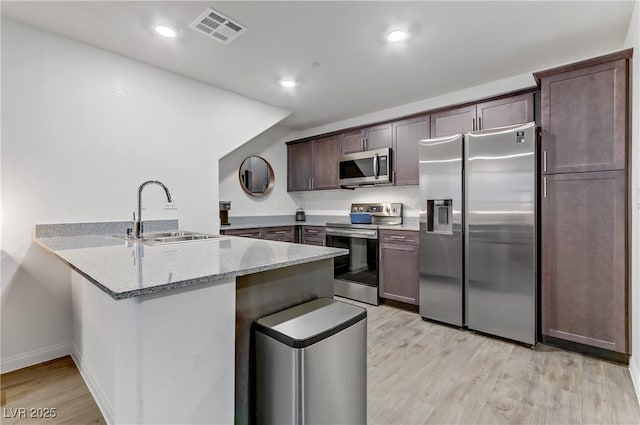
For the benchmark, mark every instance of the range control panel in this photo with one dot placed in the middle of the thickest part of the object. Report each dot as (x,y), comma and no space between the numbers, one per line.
(389,213)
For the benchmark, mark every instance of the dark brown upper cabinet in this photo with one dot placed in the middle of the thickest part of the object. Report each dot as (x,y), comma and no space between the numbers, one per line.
(367,139)
(378,137)
(506,111)
(584,126)
(496,113)
(299,166)
(453,121)
(352,141)
(313,165)
(406,136)
(326,153)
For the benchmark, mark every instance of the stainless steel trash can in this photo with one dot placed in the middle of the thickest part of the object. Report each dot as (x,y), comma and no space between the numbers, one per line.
(311,365)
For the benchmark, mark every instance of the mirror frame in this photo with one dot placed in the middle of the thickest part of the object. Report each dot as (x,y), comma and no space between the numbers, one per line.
(271,178)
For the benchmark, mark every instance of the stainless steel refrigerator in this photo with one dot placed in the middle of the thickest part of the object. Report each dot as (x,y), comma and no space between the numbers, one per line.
(477,231)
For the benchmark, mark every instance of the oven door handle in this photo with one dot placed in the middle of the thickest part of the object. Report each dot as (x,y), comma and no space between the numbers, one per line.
(361,234)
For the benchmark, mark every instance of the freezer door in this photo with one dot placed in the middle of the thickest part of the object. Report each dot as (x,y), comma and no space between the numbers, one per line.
(500,236)
(441,251)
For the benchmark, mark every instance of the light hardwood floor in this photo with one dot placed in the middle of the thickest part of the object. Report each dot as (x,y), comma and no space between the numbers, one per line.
(419,373)
(53,384)
(425,373)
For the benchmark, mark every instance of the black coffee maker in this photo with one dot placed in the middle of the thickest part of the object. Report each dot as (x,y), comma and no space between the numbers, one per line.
(225,207)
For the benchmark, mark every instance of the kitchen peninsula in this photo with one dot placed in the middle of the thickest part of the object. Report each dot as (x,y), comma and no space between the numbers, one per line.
(161,332)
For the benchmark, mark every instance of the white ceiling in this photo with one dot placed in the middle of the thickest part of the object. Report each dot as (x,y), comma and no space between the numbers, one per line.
(453,45)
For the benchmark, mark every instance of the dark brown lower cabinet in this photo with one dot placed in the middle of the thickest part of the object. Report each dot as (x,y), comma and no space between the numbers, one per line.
(244,233)
(281,234)
(313,235)
(584,259)
(399,267)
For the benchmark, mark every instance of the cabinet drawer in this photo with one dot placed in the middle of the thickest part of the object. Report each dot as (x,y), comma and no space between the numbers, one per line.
(313,231)
(399,237)
(245,233)
(282,234)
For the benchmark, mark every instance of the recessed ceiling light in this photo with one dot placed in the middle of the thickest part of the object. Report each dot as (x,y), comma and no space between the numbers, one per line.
(288,82)
(165,31)
(397,35)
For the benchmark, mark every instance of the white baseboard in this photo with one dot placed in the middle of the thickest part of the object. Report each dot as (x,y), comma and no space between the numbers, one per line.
(34,357)
(635,377)
(98,395)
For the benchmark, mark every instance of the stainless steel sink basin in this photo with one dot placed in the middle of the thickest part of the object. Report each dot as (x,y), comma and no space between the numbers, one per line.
(158,238)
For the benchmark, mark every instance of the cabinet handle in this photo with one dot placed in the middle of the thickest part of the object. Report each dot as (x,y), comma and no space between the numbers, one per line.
(544,187)
(479,123)
(544,161)
(309,183)
(397,237)
(312,231)
(244,235)
(282,232)
(362,143)
(473,124)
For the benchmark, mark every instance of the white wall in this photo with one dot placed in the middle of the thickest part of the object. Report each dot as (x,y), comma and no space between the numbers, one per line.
(270,145)
(81,129)
(633,40)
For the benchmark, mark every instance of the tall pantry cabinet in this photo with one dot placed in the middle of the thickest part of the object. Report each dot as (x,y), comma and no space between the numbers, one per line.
(585,143)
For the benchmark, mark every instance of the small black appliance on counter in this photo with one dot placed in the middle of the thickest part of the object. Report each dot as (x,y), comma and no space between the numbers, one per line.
(300,215)
(225,207)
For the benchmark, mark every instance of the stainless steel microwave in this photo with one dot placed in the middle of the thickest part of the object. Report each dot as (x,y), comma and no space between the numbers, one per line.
(365,168)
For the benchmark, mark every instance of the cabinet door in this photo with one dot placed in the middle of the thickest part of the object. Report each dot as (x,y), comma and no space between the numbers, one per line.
(300,166)
(407,135)
(453,121)
(508,111)
(584,123)
(313,235)
(352,141)
(399,275)
(326,154)
(378,137)
(584,259)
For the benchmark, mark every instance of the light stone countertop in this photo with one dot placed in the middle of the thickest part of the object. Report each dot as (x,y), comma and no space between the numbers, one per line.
(125,269)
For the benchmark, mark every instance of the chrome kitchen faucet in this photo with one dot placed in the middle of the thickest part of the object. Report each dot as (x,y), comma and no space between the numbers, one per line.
(137,219)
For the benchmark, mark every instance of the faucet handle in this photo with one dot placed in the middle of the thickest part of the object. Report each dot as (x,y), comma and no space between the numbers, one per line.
(129,232)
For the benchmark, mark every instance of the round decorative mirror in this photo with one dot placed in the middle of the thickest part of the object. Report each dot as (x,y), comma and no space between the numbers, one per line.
(256,176)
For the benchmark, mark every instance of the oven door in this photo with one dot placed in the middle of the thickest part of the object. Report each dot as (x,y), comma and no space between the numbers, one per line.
(355,274)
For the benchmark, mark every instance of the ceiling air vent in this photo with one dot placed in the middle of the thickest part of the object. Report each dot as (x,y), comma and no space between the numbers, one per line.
(217,26)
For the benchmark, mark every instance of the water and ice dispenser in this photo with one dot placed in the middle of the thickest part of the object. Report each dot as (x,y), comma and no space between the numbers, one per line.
(440,216)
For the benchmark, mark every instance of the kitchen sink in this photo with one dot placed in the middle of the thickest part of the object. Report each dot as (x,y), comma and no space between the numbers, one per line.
(158,238)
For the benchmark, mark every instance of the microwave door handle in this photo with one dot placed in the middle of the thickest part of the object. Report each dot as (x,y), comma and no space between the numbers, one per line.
(376,170)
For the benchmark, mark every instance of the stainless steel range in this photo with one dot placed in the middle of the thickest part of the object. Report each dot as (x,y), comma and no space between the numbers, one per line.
(356,274)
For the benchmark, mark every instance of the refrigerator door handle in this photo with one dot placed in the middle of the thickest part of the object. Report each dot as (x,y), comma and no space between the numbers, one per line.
(544,161)
(473,124)
(544,187)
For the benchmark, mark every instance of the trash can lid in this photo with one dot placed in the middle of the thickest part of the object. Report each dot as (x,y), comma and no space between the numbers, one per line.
(308,323)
